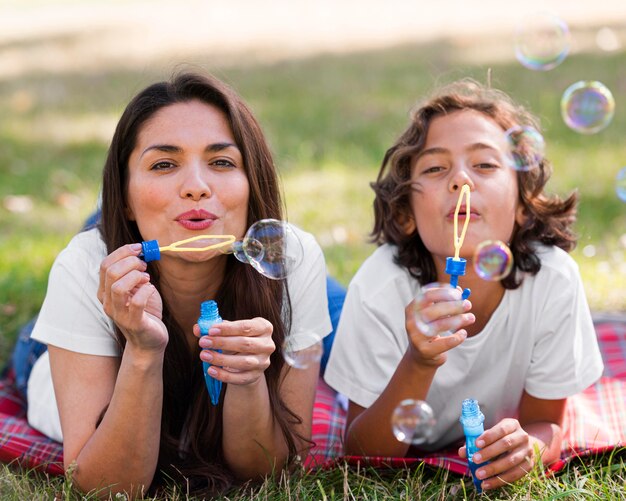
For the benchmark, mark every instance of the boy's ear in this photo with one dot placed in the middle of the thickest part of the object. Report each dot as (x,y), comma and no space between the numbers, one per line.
(407,223)
(520,215)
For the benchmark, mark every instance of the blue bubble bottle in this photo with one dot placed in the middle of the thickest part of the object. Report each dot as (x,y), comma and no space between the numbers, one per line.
(472,420)
(210,315)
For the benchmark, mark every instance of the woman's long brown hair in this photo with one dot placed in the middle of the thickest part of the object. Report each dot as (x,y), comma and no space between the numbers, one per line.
(548,219)
(198,461)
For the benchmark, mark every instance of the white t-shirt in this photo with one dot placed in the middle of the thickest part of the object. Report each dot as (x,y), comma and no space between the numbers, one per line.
(540,339)
(72,317)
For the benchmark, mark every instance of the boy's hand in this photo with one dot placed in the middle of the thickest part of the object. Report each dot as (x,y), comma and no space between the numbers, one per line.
(510,450)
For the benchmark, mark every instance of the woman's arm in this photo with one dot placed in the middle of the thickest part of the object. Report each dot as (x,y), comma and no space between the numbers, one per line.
(110,409)
(253,442)
(125,398)
(514,446)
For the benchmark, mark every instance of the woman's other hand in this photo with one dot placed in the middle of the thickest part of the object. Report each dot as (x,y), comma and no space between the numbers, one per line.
(131,301)
(246,349)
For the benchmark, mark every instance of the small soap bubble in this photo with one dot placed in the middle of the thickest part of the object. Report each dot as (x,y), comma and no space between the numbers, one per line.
(302,358)
(620,184)
(526,147)
(587,106)
(428,295)
(493,260)
(542,41)
(413,421)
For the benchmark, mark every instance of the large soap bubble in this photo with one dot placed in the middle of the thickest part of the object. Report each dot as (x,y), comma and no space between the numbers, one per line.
(542,41)
(587,106)
(526,147)
(271,247)
(413,422)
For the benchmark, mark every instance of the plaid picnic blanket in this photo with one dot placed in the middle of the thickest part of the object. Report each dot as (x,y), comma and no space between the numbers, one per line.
(595,422)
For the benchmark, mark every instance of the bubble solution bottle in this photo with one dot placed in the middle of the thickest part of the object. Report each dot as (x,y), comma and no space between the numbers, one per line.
(210,315)
(472,420)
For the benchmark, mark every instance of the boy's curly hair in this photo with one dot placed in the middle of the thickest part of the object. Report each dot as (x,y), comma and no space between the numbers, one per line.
(548,218)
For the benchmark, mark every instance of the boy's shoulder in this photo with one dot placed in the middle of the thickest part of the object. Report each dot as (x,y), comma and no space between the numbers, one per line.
(380,273)
(556,261)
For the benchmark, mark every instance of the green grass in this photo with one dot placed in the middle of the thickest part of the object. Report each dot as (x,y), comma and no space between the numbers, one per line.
(329,119)
(603,480)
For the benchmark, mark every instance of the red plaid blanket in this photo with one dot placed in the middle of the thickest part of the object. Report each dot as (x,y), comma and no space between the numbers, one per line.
(595,422)
(595,419)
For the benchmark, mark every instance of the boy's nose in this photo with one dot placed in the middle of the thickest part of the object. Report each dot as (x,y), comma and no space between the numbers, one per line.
(458,179)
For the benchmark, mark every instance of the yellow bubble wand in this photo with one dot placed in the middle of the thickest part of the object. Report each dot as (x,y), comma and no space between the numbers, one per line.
(152,251)
(455,266)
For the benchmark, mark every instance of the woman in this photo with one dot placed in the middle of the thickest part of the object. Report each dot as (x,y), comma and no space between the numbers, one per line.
(187,158)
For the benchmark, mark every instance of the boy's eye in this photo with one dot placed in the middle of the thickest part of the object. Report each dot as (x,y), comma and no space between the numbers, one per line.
(486,165)
(433,169)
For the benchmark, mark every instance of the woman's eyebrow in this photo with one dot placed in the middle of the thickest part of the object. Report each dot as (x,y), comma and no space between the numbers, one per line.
(212,148)
(169,148)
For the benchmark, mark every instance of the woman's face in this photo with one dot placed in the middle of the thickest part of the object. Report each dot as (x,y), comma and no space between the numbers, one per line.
(464,147)
(186,176)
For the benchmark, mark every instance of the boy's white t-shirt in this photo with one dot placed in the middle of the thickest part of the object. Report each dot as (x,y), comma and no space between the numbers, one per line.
(72,317)
(540,339)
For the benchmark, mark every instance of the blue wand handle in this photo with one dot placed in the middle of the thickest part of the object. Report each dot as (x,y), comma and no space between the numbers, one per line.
(455,267)
(209,315)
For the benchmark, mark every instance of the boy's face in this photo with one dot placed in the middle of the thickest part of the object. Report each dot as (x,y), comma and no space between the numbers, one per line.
(464,147)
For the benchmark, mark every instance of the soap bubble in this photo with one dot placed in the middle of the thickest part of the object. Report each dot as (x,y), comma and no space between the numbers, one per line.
(271,247)
(302,358)
(413,421)
(620,184)
(527,147)
(542,41)
(493,260)
(427,296)
(587,106)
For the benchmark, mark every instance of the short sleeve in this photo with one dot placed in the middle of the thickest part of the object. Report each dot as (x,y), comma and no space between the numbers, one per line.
(71,316)
(566,358)
(370,342)
(310,320)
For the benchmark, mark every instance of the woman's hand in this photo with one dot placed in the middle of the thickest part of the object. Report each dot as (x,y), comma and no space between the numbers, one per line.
(443,310)
(131,301)
(510,450)
(246,348)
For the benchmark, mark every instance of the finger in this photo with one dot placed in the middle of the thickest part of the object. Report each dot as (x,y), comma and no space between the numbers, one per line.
(462,452)
(117,264)
(435,346)
(229,377)
(508,477)
(196,330)
(239,344)
(249,328)
(439,294)
(137,304)
(449,324)
(238,362)
(121,291)
(501,438)
(443,309)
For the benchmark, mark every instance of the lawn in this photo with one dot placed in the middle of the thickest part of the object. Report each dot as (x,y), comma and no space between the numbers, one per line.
(329,119)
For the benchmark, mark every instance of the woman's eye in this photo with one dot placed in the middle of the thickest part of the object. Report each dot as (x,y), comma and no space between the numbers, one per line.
(162,166)
(222,162)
